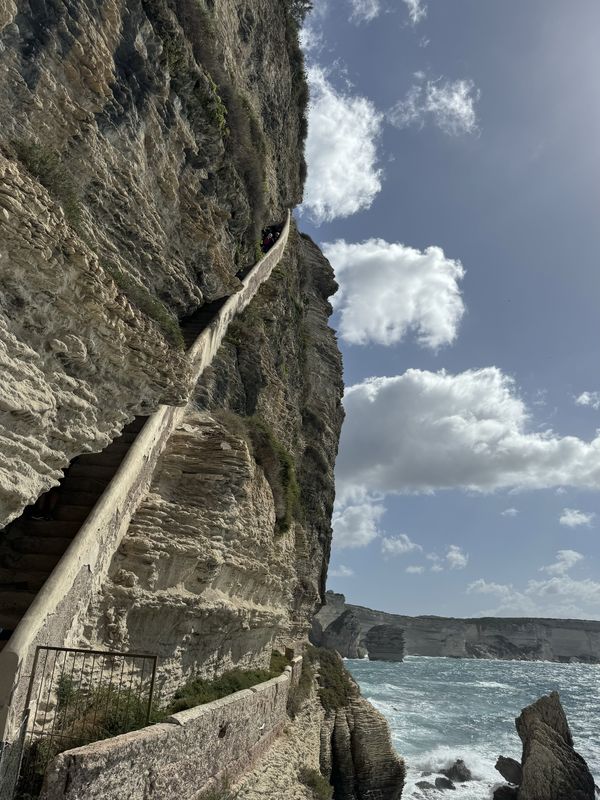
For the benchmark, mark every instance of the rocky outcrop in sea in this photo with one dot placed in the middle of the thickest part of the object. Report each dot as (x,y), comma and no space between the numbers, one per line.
(550,768)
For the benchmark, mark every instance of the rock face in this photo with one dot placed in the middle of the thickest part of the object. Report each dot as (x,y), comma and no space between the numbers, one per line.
(510,770)
(492,637)
(224,559)
(552,770)
(343,635)
(142,146)
(385,643)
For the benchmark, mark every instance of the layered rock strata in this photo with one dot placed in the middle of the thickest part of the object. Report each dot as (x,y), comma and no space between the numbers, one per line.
(551,768)
(225,556)
(345,627)
(142,146)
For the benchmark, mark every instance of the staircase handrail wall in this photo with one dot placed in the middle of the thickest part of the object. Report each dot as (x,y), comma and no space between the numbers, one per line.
(64,597)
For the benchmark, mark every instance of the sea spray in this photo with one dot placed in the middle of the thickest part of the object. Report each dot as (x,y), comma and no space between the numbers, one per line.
(442,709)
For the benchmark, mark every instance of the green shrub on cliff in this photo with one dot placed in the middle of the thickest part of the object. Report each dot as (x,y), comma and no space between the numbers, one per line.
(146,302)
(199,690)
(45,165)
(313,780)
(276,461)
(336,687)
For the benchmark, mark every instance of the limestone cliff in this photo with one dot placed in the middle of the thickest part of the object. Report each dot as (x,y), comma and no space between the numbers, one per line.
(143,143)
(226,556)
(345,628)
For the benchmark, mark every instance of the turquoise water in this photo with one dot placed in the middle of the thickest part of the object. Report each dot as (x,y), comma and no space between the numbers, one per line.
(441,709)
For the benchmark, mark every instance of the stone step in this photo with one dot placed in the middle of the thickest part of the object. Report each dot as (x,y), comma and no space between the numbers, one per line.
(70,513)
(83,470)
(41,545)
(15,600)
(70,496)
(25,562)
(61,528)
(81,485)
(9,621)
(106,458)
(27,579)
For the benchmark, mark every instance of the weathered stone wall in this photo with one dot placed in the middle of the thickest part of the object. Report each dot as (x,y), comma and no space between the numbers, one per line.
(182,757)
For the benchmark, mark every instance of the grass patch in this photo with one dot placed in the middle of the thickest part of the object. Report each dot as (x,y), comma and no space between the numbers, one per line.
(279,469)
(83,715)
(336,688)
(199,691)
(45,165)
(313,780)
(147,303)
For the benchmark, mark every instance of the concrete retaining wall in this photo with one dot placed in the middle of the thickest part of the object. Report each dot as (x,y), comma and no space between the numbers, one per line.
(54,616)
(182,758)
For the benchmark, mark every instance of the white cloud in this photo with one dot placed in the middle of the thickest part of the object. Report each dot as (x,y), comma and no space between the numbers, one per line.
(565,559)
(559,595)
(410,290)
(456,558)
(510,512)
(398,545)
(416,10)
(341,572)
(423,431)
(364,10)
(341,151)
(448,104)
(414,570)
(591,399)
(572,517)
(356,524)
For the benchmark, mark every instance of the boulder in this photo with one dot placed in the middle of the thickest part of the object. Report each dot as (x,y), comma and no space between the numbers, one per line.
(510,770)
(506,792)
(458,772)
(424,785)
(444,783)
(385,643)
(552,769)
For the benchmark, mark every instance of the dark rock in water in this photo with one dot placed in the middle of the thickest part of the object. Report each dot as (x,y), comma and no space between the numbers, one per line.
(552,770)
(510,770)
(385,643)
(424,785)
(506,793)
(458,772)
(444,783)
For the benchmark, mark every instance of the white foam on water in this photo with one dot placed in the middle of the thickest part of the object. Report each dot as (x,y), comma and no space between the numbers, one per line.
(440,710)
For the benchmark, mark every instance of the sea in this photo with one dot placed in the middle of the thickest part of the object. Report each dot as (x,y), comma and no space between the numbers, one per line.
(442,709)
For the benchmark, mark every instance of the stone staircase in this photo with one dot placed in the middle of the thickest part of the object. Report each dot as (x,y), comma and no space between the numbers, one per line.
(31,548)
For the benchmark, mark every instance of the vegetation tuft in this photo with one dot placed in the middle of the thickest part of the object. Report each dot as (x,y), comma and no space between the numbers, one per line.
(45,165)
(277,463)
(336,687)
(199,691)
(146,302)
(313,780)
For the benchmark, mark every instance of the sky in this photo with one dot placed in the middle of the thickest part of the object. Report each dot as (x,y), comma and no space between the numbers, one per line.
(453,183)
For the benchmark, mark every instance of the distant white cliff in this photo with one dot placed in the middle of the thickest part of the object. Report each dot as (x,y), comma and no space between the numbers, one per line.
(345,628)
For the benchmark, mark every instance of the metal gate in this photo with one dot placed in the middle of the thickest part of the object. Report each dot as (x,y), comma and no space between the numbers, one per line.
(77,697)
